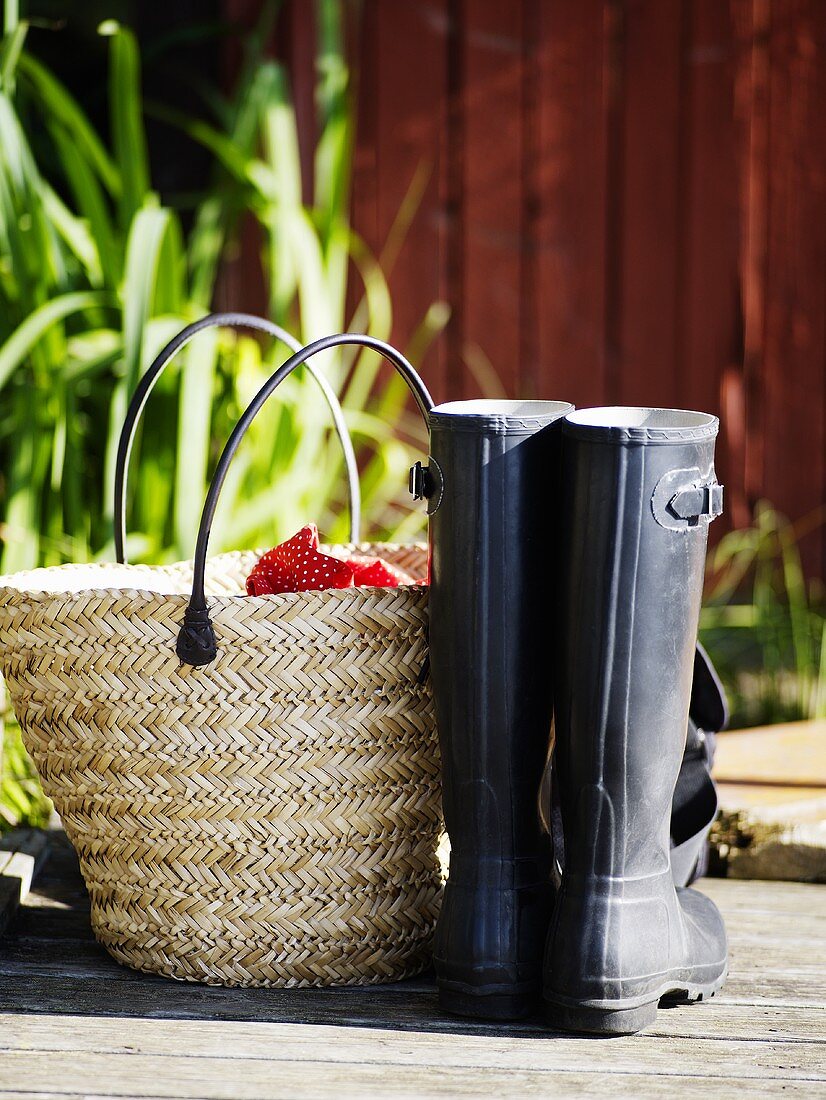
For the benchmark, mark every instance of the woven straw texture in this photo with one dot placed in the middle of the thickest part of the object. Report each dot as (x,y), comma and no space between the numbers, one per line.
(269,819)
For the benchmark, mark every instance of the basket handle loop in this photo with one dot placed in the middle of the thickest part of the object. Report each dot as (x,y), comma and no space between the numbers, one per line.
(147,383)
(196,639)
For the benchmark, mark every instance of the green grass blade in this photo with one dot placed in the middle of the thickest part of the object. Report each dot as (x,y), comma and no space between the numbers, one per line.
(128,135)
(194,438)
(143,254)
(26,335)
(10,50)
(144,250)
(818,709)
(57,104)
(333,152)
(91,203)
(11,16)
(75,234)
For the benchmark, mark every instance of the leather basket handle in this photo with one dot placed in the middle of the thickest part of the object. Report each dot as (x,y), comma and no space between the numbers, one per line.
(196,639)
(147,383)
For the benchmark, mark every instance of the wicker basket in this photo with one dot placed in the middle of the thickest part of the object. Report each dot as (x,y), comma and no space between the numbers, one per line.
(269,818)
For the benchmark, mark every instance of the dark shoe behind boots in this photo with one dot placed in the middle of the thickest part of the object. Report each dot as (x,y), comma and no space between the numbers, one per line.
(492,470)
(638,493)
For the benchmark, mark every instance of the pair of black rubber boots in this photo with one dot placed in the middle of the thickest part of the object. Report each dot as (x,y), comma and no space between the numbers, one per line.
(567,562)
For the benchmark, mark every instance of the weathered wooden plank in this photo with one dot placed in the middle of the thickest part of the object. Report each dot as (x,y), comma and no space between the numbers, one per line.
(770,803)
(87,1095)
(22,854)
(779,899)
(9,901)
(791,753)
(795,320)
(784,921)
(717,1019)
(573,1088)
(768,1003)
(763,1034)
(299,46)
(709,345)
(780,946)
(722,127)
(53,923)
(12,1095)
(573,178)
(492,165)
(221,1079)
(411,134)
(399,162)
(66,990)
(651,200)
(59,884)
(743,396)
(773,797)
(364,207)
(84,958)
(318,1044)
(42,976)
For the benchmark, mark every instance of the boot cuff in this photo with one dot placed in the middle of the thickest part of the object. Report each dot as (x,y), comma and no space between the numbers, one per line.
(498,417)
(628,424)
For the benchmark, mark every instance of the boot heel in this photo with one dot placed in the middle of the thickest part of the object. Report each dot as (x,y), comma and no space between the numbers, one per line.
(600,1021)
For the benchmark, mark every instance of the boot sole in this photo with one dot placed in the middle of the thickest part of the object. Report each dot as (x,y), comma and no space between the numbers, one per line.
(585,1020)
(489,1003)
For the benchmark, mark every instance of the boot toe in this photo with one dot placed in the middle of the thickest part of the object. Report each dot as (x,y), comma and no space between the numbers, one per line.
(706,941)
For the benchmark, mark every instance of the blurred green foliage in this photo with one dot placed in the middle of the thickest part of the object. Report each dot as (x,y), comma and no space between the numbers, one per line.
(96,274)
(21,800)
(764,625)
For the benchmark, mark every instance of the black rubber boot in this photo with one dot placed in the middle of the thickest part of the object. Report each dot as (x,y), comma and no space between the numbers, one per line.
(638,494)
(493,466)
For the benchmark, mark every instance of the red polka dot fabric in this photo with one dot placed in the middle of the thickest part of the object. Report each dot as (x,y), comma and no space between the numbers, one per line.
(298,565)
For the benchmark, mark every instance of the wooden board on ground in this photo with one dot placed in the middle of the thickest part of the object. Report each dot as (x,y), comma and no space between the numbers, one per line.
(73,1022)
(22,854)
(772,784)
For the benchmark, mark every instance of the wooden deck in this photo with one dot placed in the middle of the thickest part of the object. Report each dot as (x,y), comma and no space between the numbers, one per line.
(74,1023)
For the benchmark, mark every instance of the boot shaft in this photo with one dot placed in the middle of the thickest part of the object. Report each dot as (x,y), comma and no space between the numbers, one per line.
(638,493)
(491,477)
(494,465)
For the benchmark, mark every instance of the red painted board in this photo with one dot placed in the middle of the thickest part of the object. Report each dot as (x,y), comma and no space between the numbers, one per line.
(572,180)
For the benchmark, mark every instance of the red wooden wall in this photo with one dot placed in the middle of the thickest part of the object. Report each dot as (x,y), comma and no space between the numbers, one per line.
(625,203)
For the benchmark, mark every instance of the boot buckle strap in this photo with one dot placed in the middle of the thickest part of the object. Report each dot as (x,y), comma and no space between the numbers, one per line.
(426,483)
(699,500)
(686,499)
(419,482)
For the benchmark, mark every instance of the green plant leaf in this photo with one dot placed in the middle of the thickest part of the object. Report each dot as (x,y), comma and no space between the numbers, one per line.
(128,135)
(194,438)
(25,337)
(144,248)
(10,49)
(58,105)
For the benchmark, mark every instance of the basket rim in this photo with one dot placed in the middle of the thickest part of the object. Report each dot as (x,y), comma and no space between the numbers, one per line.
(20,584)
